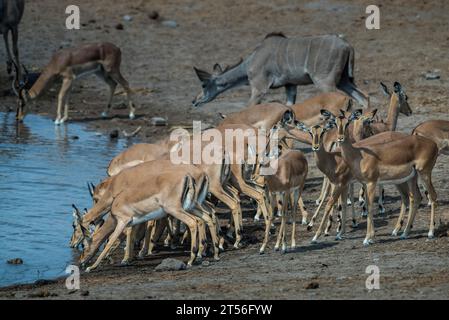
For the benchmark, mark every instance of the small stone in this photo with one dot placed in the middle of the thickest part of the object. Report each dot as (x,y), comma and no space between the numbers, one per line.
(114,134)
(119,26)
(169,23)
(153,15)
(15,261)
(205,263)
(127,18)
(158,121)
(432,76)
(312,285)
(170,264)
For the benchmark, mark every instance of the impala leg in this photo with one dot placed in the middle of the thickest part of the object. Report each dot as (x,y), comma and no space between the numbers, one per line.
(121,225)
(296,198)
(344,206)
(324,188)
(284,218)
(330,204)
(427,180)
(212,229)
(330,188)
(117,76)
(191,223)
(129,249)
(66,85)
(381,199)
(354,218)
(147,238)
(304,213)
(370,192)
(403,191)
(281,209)
(112,86)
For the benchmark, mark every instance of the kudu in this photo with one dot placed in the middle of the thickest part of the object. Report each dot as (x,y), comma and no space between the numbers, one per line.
(11,12)
(102,59)
(326,61)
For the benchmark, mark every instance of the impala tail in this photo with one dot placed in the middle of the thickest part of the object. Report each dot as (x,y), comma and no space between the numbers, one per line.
(188,193)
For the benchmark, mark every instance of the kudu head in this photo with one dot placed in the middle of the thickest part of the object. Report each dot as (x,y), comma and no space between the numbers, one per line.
(213,84)
(400,96)
(209,84)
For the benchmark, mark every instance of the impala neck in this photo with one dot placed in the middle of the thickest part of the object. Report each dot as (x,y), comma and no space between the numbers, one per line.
(42,83)
(348,151)
(323,159)
(393,113)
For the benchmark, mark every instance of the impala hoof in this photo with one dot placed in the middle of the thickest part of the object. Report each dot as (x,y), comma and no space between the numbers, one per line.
(317,202)
(132,116)
(256,218)
(88,269)
(283,251)
(395,232)
(354,224)
(367,242)
(314,240)
(276,249)
(104,114)
(430,235)
(58,122)
(304,221)
(125,263)
(338,237)
(309,227)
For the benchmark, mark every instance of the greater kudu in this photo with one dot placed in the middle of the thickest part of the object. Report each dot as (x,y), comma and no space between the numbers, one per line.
(326,61)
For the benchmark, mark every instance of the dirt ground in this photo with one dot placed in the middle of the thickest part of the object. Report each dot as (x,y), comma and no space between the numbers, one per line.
(158,61)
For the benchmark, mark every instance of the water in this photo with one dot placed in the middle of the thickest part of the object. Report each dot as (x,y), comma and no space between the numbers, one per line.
(43,170)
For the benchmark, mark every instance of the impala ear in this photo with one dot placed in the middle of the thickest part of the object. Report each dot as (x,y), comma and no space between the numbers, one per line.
(373,113)
(204,76)
(217,69)
(301,126)
(326,114)
(288,117)
(355,115)
(384,89)
(349,105)
(397,87)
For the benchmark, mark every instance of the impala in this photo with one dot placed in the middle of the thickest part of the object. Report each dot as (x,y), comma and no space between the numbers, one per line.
(437,131)
(395,162)
(102,59)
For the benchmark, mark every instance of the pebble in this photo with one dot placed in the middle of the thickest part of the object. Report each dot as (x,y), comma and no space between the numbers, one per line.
(153,15)
(119,26)
(127,18)
(158,121)
(312,285)
(169,23)
(170,264)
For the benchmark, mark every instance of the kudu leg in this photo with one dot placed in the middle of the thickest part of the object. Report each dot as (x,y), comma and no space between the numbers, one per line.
(291,91)
(8,52)
(15,49)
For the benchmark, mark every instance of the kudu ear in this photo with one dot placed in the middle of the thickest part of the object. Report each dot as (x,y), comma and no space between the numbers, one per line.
(384,89)
(217,69)
(204,76)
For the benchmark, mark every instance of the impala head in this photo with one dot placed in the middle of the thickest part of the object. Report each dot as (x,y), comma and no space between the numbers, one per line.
(316,132)
(363,122)
(80,233)
(341,122)
(400,95)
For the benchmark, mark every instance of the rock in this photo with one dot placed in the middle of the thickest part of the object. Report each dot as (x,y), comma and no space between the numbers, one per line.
(205,263)
(127,18)
(169,23)
(119,26)
(158,121)
(153,15)
(15,261)
(43,282)
(113,134)
(312,285)
(170,264)
(432,75)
